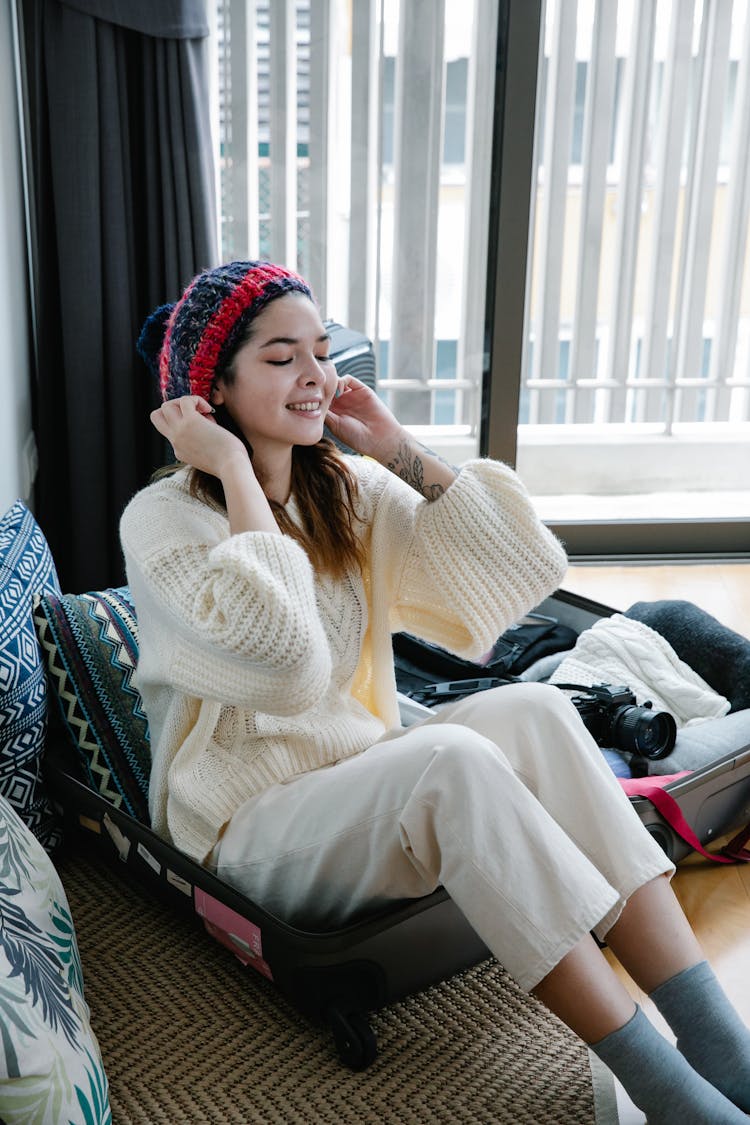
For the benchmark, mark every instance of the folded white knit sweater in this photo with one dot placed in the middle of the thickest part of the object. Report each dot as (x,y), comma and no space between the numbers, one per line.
(619,650)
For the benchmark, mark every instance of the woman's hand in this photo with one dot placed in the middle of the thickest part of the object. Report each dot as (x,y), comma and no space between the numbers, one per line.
(358,417)
(189,426)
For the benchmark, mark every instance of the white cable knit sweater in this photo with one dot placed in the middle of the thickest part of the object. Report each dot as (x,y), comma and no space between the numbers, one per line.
(620,650)
(253,669)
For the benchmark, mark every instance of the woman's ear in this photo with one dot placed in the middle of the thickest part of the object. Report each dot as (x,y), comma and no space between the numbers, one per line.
(216,397)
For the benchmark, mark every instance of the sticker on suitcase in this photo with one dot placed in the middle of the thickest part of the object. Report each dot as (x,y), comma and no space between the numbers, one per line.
(181,884)
(121,842)
(233,931)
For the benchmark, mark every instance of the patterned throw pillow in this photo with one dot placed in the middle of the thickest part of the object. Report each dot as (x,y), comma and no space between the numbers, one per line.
(90,645)
(51,1068)
(26,567)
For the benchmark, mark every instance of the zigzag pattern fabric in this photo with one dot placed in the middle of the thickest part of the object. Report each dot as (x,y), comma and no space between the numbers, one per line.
(90,643)
(26,568)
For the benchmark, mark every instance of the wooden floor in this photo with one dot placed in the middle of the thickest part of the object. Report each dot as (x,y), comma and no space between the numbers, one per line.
(715,898)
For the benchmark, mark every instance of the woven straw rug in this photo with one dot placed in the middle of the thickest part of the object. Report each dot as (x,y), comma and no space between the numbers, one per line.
(190,1036)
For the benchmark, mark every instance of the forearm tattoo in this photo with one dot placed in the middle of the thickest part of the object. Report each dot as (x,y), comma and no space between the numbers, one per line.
(408,465)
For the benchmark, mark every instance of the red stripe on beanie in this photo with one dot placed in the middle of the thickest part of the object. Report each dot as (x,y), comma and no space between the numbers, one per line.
(253,284)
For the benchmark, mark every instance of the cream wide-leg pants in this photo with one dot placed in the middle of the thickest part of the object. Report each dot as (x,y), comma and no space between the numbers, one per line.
(502,798)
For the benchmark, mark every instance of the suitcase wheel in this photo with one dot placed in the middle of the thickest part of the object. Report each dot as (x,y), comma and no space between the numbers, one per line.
(666,839)
(355,1040)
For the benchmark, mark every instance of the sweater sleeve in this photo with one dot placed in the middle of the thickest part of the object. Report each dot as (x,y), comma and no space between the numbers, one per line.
(229,618)
(465,567)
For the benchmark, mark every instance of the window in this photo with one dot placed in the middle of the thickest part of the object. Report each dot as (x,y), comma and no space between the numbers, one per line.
(554,198)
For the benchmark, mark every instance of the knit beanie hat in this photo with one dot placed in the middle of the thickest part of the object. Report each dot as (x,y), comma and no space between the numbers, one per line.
(188,345)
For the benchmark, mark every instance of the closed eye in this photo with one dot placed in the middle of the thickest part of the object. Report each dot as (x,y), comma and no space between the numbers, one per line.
(284,362)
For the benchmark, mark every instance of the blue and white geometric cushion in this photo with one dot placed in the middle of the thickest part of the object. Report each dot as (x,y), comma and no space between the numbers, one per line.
(26,568)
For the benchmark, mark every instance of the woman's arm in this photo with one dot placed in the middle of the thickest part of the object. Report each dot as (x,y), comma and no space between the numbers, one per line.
(231,617)
(225,617)
(460,571)
(414,463)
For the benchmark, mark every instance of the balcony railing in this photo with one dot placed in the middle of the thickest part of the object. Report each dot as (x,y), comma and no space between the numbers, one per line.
(638,311)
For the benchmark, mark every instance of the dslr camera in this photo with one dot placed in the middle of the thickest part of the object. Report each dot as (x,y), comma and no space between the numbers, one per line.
(611,715)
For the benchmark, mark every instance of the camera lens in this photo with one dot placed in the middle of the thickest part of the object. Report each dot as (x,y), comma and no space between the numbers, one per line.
(642,731)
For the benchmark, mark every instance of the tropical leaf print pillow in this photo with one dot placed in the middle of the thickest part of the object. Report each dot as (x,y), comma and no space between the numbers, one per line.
(51,1069)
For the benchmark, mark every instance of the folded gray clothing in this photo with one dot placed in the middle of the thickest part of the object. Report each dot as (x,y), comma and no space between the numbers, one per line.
(719,655)
(703,744)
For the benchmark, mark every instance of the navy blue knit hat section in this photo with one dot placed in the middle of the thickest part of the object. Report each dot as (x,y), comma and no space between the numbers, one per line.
(150,341)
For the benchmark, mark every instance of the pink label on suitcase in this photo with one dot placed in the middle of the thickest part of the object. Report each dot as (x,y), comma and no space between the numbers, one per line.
(233,931)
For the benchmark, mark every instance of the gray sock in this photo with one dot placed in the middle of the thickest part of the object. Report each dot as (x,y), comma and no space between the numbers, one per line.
(660,1081)
(710,1033)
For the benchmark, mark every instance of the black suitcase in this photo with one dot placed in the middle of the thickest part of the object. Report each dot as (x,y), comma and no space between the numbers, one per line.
(336,978)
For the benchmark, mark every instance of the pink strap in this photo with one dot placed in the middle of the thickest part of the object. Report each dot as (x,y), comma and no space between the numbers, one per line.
(733,852)
(736,849)
(644,786)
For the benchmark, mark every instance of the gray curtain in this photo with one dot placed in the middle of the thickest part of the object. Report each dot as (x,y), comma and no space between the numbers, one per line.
(122,216)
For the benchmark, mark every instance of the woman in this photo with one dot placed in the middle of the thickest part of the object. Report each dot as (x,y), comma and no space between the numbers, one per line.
(268,572)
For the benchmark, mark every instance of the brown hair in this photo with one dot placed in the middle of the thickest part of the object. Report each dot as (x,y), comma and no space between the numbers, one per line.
(326,492)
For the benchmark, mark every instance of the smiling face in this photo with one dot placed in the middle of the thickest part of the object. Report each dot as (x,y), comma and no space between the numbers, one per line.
(281,381)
